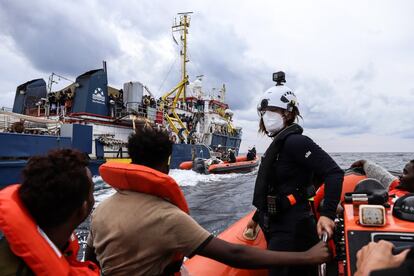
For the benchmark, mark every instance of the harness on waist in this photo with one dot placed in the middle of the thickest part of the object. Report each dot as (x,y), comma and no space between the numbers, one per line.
(280,202)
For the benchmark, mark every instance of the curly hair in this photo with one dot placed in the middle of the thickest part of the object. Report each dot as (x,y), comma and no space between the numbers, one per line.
(54,186)
(149,146)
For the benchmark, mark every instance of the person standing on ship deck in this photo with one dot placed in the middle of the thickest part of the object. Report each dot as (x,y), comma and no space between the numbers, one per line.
(285,180)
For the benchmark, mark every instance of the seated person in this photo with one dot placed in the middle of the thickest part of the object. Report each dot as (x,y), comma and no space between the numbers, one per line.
(251,154)
(39,216)
(376,259)
(232,156)
(396,186)
(136,233)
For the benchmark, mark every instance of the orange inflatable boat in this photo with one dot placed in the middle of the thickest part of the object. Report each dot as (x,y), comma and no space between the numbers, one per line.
(241,165)
(201,266)
(360,222)
(350,235)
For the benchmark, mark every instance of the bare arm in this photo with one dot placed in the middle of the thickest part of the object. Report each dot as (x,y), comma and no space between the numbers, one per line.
(240,256)
(375,171)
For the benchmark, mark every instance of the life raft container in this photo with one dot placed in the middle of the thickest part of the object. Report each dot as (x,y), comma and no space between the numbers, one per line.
(28,242)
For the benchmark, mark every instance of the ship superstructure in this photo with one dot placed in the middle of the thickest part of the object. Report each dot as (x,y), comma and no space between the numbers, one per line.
(96,118)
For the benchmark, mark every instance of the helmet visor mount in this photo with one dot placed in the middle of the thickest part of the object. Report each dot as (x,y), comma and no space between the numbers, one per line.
(261,107)
(264,106)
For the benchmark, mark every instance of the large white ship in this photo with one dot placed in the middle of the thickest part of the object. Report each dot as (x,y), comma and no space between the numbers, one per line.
(97,119)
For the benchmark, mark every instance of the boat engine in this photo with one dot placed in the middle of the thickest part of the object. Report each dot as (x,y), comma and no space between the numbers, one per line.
(199,165)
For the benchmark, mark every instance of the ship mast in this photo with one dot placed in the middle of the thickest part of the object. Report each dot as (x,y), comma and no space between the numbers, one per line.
(182,27)
(180,89)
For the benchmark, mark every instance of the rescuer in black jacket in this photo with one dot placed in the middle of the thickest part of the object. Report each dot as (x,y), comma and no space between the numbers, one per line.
(286,178)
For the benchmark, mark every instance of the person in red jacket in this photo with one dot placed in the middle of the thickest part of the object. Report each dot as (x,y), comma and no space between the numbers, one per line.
(38,217)
(396,186)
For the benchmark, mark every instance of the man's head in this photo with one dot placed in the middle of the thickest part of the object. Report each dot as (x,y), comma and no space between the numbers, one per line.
(407,178)
(150,147)
(57,188)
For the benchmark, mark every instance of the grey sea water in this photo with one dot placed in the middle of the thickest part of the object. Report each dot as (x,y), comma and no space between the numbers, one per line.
(217,201)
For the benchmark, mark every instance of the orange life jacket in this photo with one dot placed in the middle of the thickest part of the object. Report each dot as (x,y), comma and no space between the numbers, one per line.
(145,180)
(395,190)
(29,243)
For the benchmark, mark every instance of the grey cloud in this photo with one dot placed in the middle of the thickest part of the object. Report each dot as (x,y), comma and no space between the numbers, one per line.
(68,39)
(74,36)
(322,107)
(365,74)
(152,19)
(222,57)
(60,39)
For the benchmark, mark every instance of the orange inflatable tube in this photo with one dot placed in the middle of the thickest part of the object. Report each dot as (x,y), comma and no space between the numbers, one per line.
(239,166)
(201,266)
(351,179)
(187,165)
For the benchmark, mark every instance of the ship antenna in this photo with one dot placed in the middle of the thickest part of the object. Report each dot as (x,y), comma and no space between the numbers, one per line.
(182,27)
(52,81)
(180,89)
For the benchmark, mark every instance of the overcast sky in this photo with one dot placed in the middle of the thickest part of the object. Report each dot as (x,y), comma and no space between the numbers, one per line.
(351,63)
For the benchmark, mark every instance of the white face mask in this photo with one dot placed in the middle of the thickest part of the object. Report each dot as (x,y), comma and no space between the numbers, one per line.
(273,122)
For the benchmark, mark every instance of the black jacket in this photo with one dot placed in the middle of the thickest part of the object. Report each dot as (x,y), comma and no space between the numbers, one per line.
(299,160)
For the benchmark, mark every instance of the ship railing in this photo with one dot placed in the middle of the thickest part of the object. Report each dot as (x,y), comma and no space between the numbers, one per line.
(154,113)
(8,109)
(6,121)
(224,132)
(36,111)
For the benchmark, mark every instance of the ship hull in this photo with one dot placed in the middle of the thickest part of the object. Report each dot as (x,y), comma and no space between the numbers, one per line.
(16,149)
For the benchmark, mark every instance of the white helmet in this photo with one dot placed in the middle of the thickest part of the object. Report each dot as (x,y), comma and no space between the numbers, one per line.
(278,96)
